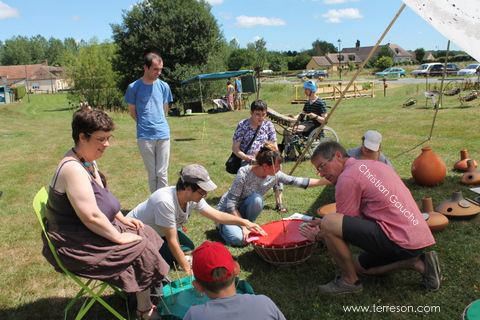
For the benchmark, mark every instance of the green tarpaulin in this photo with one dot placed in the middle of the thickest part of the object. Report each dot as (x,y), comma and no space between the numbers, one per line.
(216,76)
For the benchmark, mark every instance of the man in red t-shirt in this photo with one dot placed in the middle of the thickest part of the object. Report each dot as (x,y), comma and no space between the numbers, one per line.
(376,212)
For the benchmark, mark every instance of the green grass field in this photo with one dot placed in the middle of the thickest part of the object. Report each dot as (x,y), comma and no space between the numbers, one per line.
(34,136)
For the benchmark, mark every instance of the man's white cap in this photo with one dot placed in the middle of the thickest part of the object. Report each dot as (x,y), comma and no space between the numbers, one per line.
(372,141)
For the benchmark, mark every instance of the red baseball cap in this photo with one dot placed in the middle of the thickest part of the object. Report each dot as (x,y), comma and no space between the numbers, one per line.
(208,256)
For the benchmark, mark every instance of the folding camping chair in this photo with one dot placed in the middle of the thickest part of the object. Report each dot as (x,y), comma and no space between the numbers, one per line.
(93,288)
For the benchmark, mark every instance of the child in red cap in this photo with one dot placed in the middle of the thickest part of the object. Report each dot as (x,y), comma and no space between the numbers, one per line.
(215,272)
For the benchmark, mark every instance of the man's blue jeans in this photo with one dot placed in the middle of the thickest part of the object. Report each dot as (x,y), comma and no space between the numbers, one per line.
(249,209)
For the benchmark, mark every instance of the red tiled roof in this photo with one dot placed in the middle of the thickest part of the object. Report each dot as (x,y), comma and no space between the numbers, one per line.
(18,72)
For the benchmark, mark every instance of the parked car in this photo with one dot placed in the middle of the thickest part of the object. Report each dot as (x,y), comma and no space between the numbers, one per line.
(317,74)
(302,74)
(399,72)
(423,69)
(469,70)
(437,70)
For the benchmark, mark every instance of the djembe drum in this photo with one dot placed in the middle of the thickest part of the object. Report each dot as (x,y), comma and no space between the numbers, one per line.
(284,245)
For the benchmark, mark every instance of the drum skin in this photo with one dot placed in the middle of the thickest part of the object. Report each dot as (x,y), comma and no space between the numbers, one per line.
(284,245)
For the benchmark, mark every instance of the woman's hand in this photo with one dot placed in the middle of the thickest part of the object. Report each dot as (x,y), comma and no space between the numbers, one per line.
(132,222)
(253,227)
(246,233)
(128,237)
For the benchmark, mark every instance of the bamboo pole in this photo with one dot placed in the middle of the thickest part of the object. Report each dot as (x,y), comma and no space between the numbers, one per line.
(346,89)
(440,98)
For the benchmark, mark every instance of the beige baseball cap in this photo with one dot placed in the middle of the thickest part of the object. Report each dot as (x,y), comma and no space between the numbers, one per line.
(195,173)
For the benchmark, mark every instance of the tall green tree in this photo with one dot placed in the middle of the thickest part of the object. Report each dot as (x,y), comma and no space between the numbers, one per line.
(184,32)
(258,50)
(277,61)
(71,45)
(321,48)
(16,51)
(419,54)
(299,61)
(38,47)
(233,44)
(93,76)
(241,59)
(2,48)
(55,51)
(384,52)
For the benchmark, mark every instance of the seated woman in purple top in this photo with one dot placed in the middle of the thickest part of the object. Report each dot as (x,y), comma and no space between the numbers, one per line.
(84,222)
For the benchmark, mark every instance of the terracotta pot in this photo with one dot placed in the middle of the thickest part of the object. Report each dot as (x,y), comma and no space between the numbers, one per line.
(457,206)
(462,165)
(472,176)
(328,208)
(436,221)
(428,169)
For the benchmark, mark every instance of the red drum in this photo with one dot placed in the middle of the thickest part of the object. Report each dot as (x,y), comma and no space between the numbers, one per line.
(284,245)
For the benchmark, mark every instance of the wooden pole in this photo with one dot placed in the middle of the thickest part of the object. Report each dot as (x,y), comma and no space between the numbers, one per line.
(201,97)
(346,89)
(440,100)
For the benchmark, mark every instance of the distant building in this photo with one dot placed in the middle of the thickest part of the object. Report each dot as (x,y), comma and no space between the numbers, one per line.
(428,55)
(38,78)
(333,61)
(356,55)
(399,54)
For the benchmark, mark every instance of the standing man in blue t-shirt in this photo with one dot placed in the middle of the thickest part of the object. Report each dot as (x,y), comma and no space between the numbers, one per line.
(148,100)
(238,94)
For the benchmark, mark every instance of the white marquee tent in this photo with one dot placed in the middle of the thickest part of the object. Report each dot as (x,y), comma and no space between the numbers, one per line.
(456,20)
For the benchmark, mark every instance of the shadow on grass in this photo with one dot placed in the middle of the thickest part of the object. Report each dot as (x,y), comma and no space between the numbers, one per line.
(61,109)
(325,197)
(53,308)
(212,235)
(183,140)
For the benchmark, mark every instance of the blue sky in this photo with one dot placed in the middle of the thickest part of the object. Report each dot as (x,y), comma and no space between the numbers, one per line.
(284,24)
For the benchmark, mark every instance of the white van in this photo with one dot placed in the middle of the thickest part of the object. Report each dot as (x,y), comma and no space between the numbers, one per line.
(424,69)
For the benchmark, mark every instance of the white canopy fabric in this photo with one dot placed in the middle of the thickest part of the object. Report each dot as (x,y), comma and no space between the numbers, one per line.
(458,21)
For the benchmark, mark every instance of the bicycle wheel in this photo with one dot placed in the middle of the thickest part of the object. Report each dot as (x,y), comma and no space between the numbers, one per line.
(327,134)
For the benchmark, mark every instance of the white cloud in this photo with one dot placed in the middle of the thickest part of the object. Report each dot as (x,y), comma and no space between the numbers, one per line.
(248,22)
(256,38)
(336,16)
(8,12)
(215,2)
(76,18)
(225,15)
(338,1)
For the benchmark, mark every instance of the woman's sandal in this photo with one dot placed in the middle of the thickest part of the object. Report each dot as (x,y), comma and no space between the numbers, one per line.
(147,314)
(280,207)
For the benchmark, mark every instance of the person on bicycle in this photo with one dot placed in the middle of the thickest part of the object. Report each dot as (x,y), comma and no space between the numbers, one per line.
(312,116)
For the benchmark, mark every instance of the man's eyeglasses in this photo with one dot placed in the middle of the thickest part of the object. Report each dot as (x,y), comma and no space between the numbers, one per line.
(260,115)
(201,193)
(322,165)
(102,139)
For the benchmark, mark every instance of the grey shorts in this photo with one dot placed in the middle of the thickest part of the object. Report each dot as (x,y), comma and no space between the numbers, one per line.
(379,249)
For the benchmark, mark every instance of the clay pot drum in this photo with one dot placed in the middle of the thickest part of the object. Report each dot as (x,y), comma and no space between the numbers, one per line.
(328,208)
(435,220)
(457,206)
(462,165)
(428,169)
